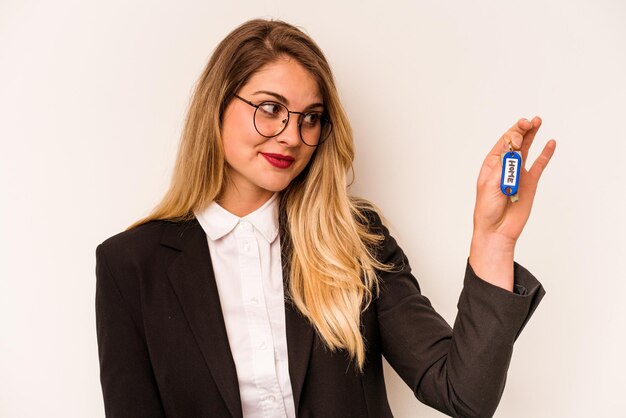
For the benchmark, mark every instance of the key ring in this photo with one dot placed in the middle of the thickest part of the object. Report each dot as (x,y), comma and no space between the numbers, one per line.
(510,146)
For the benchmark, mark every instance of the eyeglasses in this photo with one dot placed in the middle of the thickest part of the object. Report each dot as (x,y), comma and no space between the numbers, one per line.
(271,118)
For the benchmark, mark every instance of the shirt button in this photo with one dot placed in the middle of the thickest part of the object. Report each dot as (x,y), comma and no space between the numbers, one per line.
(262,344)
(271,398)
(254,301)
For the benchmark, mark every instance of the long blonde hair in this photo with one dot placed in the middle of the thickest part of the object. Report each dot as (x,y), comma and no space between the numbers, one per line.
(332,266)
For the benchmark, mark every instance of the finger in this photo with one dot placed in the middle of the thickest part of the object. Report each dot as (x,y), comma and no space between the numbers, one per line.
(529,137)
(542,161)
(515,134)
(521,126)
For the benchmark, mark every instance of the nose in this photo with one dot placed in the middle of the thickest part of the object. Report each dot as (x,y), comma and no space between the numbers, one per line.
(290,136)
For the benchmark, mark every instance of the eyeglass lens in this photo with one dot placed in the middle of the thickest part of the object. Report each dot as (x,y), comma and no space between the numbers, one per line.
(271,118)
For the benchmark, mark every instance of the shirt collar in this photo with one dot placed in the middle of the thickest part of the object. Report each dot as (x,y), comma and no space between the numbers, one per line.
(218,222)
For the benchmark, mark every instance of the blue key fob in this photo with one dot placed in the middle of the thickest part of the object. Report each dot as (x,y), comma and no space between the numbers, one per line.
(511,166)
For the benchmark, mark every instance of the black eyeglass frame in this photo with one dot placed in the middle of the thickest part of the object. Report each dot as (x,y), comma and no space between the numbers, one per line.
(324,119)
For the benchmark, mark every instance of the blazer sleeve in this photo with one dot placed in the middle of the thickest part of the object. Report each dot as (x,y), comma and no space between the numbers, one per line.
(461,371)
(128,384)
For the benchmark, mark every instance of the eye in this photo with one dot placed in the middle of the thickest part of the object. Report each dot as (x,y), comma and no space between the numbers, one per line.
(270,109)
(312,118)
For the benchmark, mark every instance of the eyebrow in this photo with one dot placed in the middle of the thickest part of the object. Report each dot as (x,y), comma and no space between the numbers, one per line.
(284,100)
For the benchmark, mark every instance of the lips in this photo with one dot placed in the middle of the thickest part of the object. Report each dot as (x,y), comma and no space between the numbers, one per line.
(278,160)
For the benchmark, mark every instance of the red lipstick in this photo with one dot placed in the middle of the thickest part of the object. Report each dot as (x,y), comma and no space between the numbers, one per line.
(278,160)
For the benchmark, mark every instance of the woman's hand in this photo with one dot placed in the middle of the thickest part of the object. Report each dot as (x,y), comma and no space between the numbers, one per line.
(498,222)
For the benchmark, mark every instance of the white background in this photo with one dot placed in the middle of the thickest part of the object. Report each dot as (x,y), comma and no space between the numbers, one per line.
(92,101)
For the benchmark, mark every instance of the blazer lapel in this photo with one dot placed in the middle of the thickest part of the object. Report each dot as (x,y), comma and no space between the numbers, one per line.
(299,343)
(193,280)
(299,332)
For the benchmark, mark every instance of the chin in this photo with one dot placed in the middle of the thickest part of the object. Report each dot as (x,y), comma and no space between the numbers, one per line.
(277,186)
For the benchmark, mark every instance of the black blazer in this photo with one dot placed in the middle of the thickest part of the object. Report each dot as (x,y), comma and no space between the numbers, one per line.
(164,350)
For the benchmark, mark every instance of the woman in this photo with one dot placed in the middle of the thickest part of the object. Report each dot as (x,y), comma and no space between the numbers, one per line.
(259,288)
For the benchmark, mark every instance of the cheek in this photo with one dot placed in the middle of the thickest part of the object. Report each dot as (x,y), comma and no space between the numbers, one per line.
(306,160)
(309,155)
(239,137)
(230,152)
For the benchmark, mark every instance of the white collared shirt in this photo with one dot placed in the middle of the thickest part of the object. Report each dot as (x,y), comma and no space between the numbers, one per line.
(245,253)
